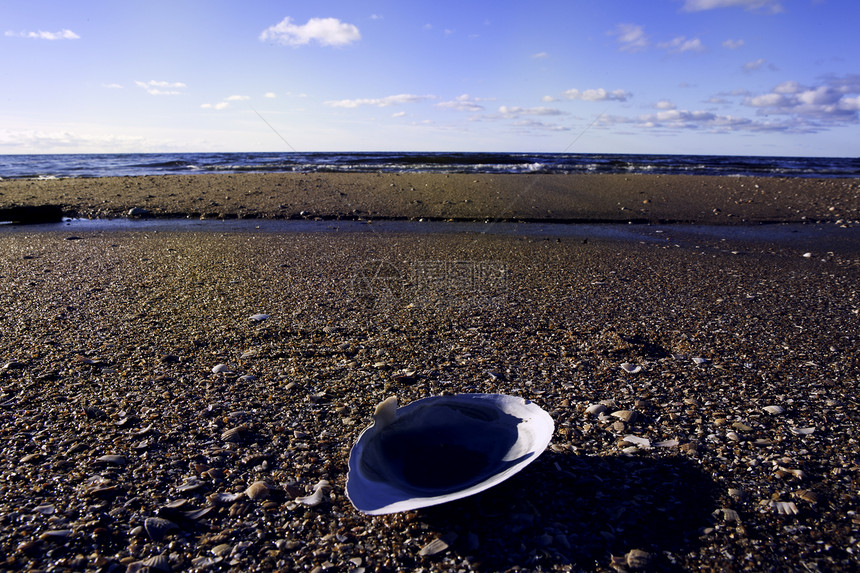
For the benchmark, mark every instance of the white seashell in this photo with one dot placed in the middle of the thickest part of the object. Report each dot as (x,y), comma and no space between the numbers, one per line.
(638,441)
(799,474)
(223,498)
(317,496)
(667,444)
(775,410)
(802,431)
(631,368)
(258,317)
(596,409)
(443,448)
(733,436)
(784,507)
(222,369)
(112,460)
(698,360)
(438,545)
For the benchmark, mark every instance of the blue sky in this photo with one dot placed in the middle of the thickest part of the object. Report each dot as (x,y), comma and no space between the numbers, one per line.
(738,77)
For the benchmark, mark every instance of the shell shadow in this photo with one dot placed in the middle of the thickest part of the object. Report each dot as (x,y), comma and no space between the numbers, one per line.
(580,510)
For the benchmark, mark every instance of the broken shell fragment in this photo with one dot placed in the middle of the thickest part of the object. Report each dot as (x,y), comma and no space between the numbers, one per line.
(443,448)
(631,368)
(317,496)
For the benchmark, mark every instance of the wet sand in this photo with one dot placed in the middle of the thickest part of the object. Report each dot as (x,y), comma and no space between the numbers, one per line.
(740,455)
(570,198)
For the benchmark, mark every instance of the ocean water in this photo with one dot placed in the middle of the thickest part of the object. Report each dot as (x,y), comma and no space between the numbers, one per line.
(134,164)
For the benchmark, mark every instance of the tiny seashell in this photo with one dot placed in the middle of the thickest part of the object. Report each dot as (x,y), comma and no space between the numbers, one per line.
(157,562)
(438,545)
(667,444)
(222,369)
(223,498)
(741,427)
(736,493)
(190,485)
(625,415)
(784,507)
(329,329)
(808,495)
(157,527)
(802,431)
(258,490)
(234,434)
(45,509)
(638,559)
(56,535)
(631,368)
(698,360)
(638,441)
(29,458)
(94,413)
(775,410)
(142,432)
(733,436)
(258,317)
(729,515)
(596,409)
(317,496)
(111,459)
(799,474)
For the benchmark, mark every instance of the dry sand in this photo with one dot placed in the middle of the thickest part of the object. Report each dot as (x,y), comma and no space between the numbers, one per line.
(109,340)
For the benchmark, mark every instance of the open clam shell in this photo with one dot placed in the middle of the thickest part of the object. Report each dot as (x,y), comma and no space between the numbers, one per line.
(443,448)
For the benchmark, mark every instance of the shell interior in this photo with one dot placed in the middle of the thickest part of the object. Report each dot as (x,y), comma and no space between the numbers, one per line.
(443,448)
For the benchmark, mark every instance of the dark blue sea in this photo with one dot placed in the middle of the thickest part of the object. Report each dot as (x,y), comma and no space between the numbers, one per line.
(110,165)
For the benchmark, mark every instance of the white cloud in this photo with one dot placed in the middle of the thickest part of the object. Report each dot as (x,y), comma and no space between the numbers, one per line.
(324,31)
(665,104)
(773,6)
(462,103)
(270,95)
(219,106)
(112,86)
(597,95)
(238,98)
(399,114)
(514,111)
(813,108)
(756,65)
(41,35)
(733,44)
(681,44)
(154,87)
(540,56)
(380,102)
(631,37)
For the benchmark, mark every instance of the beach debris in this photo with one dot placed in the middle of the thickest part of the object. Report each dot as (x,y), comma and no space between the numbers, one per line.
(442,448)
(258,317)
(774,410)
(699,361)
(802,431)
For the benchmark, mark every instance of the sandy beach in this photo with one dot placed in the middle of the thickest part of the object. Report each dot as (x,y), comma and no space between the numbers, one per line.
(570,198)
(703,387)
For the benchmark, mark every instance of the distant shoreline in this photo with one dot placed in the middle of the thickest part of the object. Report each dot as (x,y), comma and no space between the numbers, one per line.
(581,198)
